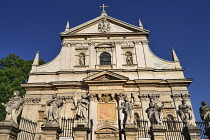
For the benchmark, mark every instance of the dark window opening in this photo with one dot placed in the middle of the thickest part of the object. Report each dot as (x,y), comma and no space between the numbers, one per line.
(105,59)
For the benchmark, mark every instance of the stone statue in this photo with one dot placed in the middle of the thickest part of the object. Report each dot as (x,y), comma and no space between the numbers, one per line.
(154,113)
(82,109)
(184,112)
(52,109)
(14,107)
(205,114)
(82,59)
(129,59)
(128,111)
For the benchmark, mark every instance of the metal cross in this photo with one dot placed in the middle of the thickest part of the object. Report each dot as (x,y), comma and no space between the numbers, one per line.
(103,7)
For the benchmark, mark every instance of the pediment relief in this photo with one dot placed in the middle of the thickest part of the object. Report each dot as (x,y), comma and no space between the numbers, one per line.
(104,24)
(105,76)
(104,45)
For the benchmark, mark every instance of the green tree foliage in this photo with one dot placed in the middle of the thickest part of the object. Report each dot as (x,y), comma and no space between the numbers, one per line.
(13,72)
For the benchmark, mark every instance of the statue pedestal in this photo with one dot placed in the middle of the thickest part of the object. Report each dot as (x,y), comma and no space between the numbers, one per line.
(8,130)
(81,131)
(130,132)
(157,132)
(191,132)
(51,131)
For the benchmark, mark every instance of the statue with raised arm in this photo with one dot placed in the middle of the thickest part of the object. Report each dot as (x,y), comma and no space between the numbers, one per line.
(52,109)
(82,109)
(14,107)
(205,113)
(128,111)
(154,113)
(184,112)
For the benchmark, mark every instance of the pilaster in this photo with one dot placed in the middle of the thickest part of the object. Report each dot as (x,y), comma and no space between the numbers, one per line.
(65,61)
(140,57)
(92,114)
(119,57)
(92,56)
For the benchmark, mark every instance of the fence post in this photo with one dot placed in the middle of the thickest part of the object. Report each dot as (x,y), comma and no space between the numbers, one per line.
(8,130)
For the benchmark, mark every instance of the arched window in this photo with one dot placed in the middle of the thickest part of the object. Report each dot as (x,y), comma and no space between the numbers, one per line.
(129,58)
(105,58)
(81,59)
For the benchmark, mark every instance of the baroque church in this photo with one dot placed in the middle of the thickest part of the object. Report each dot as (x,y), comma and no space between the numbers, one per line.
(104,80)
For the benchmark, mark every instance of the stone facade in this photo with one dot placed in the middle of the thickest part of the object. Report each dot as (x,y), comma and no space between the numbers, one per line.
(107,60)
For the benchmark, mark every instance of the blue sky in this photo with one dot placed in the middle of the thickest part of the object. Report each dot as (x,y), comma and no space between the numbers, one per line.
(28,26)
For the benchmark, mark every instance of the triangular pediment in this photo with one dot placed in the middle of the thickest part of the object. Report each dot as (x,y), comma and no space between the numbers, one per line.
(106,76)
(105,24)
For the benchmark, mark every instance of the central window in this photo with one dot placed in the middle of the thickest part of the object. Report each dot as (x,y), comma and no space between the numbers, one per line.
(105,58)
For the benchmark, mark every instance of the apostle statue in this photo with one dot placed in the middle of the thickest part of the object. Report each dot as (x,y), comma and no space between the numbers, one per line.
(128,111)
(154,113)
(82,109)
(129,59)
(52,109)
(205,113)
(82,59)
(14,107)
(185,112)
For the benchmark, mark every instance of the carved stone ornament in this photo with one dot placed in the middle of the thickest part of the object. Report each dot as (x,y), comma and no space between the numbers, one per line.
(145,42)
(33,100)
(120,96)
(66,99)
(104,26)
(105,98)
(14,107)
(149,96)
(106,122)
(92,96)
(180,96)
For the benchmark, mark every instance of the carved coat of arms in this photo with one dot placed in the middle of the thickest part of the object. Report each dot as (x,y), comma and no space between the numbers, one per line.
(104,25)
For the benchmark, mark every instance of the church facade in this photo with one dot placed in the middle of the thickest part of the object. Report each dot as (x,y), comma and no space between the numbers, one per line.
(106,76)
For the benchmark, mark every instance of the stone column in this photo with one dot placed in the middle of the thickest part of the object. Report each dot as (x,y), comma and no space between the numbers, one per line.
(51,131)
(92,115)
(8,130)
(191,132)
(157,132)
(120,98)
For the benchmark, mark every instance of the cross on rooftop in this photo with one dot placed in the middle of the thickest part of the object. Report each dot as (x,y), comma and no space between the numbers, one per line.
(103,7)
